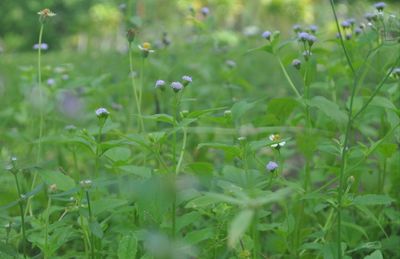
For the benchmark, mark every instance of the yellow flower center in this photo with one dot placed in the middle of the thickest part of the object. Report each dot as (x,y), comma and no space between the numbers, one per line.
(146,45)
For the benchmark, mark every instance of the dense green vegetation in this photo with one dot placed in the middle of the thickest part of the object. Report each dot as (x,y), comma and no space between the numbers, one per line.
(141,134)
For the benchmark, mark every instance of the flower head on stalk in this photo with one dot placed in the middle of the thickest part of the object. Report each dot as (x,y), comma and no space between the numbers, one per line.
(130,35)
(45,14)
(186,80)
(176,86)
(271,166)
(146,49)
(160,84)
(102,113)
(276,138)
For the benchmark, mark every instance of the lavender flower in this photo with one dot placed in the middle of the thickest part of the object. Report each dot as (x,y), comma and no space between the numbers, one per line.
(42,46)
(160,84)
(358,31)
(396,72)
(346,24)
(102,113)
(380,6)
(266,35)
(271,166)
(230,63)
(371,17)
(296,64)
(51,82)
(176,86)
(311,40)
(296,28)
(186,80)
(303,36)
(313,28)
(205,11)
(348,36)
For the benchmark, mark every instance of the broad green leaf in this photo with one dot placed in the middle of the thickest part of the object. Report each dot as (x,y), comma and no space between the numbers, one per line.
(377,254)
(63,182)
(239,226)
(281,108)
(329,108)
(372,199)
(240,108)
(95,228)
(197,236)
(161,118)
(233,150)
(127,248)
(8,250)
(141,171)
(103,205)
(118,153)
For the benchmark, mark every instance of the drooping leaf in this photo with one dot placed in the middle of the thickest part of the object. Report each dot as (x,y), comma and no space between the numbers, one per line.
(239,226)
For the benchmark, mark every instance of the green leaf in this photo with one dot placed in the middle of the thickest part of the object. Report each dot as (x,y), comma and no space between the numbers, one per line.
(103,205)
(161,118)
(377,254)
(281,108)
(232,150)
(372,199)
(239,226)
(95,228)
(329,108)
(240,108)
(127,248)
(63,182)
(197,236)
(118,153)
(8,249)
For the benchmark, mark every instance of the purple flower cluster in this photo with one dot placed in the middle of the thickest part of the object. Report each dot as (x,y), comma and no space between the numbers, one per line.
(176,86)
(42,46)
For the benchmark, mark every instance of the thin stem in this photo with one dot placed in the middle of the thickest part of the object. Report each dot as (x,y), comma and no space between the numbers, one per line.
(377,89)
(134,88)
(288,78)
(141,91)
(21,211)
(92,248)
(346,138)
(41,106)
(256,249)
(178,165)
(46,230)
(98,149)
(341,39)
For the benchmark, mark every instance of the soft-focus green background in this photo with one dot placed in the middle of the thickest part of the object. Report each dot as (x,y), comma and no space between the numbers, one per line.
(81,25)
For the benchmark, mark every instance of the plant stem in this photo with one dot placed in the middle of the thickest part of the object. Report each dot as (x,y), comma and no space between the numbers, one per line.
(41,106)
(288,77)
(98,149)
(135,90)
(92,248)
(346,138)
(46,230)
(41,119)
(21,211)
(178,165)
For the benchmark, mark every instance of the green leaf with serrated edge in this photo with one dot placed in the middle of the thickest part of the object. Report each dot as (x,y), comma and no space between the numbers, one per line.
(239,226)
(127,248)
(329,108)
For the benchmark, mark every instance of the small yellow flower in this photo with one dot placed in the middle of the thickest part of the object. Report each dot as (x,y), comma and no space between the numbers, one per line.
(276,138)
(146,49)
